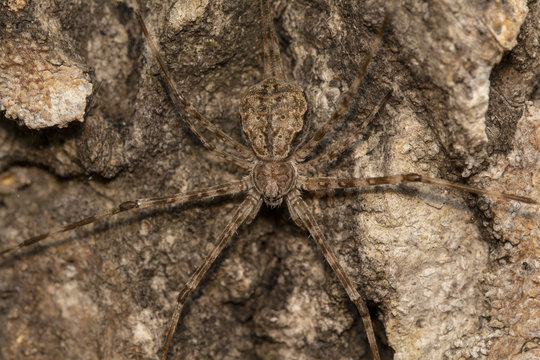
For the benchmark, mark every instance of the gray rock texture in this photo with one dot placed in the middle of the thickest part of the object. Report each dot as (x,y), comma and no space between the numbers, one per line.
(447,275)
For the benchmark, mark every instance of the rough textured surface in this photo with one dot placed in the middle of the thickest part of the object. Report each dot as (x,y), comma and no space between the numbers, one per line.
(512,286)
(39,85)
(448,275)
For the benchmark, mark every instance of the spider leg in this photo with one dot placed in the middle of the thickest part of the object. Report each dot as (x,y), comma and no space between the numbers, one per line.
(246,211)
(294,216)
(300,210)
(344,104)
(272,61)
(237,153)
(327,183)
(327,157)
(224,189)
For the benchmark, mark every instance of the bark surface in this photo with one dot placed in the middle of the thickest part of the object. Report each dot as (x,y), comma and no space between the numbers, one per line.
(448,275)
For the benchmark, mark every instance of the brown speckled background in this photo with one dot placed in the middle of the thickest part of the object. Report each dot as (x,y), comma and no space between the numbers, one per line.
(447,275)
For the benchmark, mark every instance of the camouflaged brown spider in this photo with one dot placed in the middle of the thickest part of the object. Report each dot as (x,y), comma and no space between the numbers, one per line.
(272,116)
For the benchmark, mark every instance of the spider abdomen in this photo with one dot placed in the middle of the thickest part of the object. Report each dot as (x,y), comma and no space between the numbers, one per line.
(272,114)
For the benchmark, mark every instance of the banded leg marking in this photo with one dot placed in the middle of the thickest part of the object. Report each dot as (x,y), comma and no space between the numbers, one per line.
(272,60)
(324,158)
(300,209)
(327,183)
(243,156)
(344,104)
(219,190)
(250,205)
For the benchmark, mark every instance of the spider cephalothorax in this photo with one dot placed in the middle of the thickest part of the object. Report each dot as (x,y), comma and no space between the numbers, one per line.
(273,180)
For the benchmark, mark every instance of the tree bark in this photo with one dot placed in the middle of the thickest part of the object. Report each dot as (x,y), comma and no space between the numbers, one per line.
(447,275)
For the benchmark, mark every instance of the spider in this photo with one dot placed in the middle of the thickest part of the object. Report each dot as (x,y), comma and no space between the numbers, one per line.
(277,168)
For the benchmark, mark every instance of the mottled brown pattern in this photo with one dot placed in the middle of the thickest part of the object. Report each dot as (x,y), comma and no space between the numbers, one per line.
(272,63)
(272,115)
(274,180)
(326,183)
(241,153)
(344,104)
(299,207)
(229,188)
(250,205)
(337,149)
